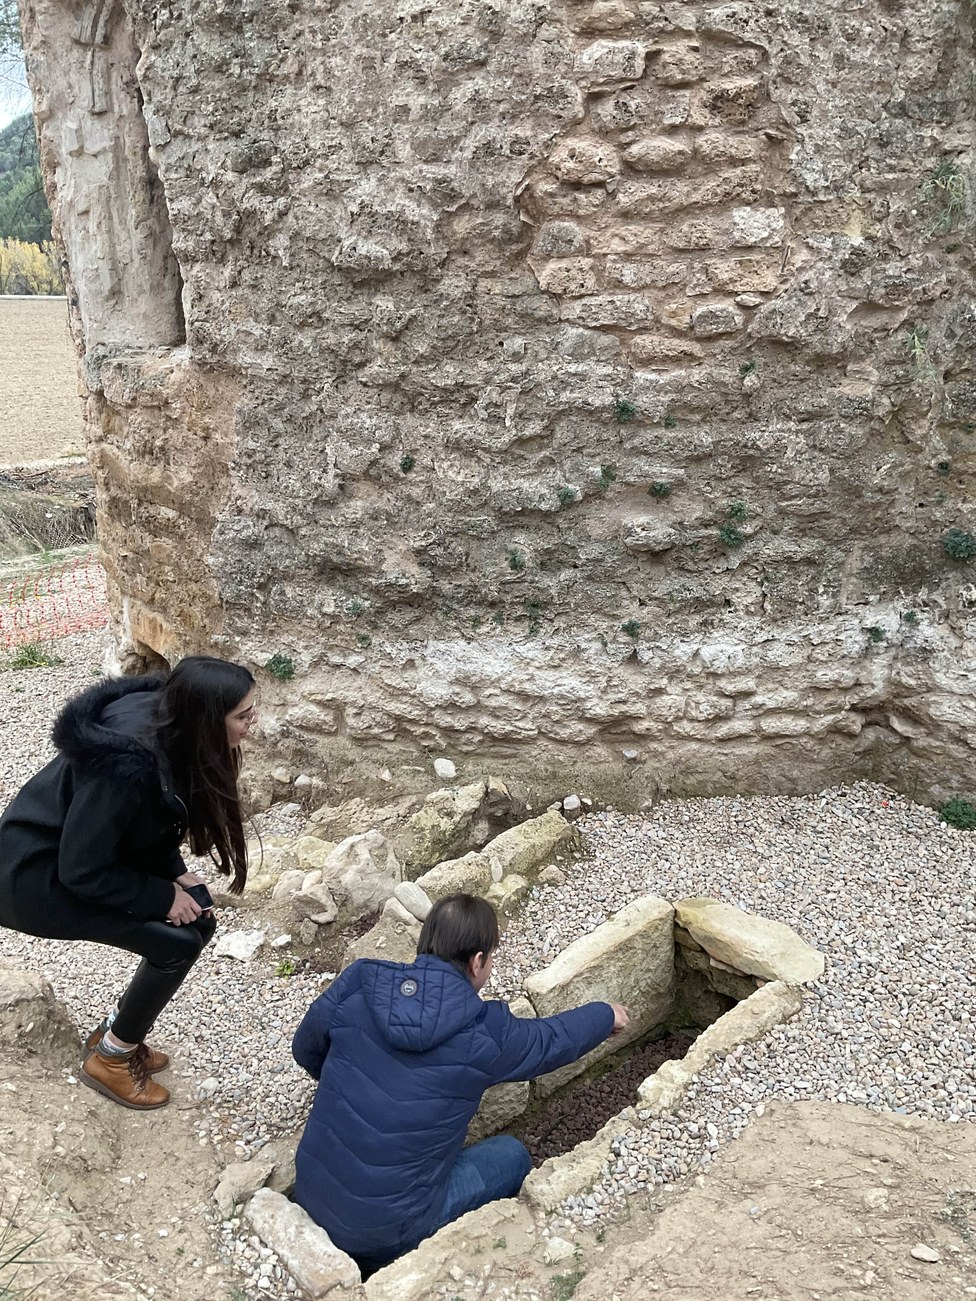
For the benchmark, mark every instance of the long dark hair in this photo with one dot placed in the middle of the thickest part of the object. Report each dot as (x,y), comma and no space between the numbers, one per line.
(191,730)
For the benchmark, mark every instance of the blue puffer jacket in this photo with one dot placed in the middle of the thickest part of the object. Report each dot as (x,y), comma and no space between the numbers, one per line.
(403,1054)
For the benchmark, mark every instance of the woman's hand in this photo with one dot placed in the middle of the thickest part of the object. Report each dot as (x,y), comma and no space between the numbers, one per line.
(184,909)
(189,878)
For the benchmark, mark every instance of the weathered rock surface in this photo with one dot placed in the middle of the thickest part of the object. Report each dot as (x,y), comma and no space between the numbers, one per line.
(390,383)
(239,1182)
(307,1251)
(32,1020)
(749,943)
(361,873)
(520,851)
(453,822)
(629,960)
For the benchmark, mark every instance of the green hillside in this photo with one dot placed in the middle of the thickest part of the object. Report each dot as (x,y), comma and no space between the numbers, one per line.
(24,213)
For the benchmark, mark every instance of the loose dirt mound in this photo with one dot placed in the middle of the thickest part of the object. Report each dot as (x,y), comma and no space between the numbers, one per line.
(816,1199)
(104,1202)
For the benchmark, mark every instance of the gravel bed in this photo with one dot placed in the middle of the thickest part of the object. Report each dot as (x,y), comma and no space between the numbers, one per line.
(578,1114)
(879,884)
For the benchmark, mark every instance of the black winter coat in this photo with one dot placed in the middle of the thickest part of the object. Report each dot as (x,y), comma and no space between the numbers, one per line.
(99,828)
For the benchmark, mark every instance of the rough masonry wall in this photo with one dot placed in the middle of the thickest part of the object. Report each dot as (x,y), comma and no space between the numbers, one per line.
(592,376)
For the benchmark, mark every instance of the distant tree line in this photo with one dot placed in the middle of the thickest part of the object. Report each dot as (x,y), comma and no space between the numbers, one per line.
(24,213)
(28,261)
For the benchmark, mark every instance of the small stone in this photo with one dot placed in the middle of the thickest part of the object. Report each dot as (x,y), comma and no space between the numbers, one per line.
(558,1249)
(714,319)
(445,770)
(552,876)
(242,945)
(281,942)
(414,898)
(571,803)
(630,755)
(928,1254)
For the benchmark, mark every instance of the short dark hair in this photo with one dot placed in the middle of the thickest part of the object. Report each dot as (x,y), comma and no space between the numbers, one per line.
(459,927)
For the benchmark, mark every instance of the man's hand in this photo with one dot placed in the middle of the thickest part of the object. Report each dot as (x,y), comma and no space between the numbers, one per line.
(619,1018)
(184,909)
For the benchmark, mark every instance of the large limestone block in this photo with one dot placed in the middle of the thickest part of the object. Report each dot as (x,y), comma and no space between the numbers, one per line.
(629,960)
(32,1020)
(521,850)
(749,943)
(307,1252)
(362,872)
(577,1170)
(468,875)
(307,853)
(502,1103)
(744,1023)
(392,939)
(454,821)
(431,1270)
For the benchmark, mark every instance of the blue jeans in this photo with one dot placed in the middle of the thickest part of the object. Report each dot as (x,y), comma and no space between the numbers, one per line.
(485,1172)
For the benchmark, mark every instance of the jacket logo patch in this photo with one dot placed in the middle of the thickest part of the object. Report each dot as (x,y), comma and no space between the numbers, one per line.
(408,988)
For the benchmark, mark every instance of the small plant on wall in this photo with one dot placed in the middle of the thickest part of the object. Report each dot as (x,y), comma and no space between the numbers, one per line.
(281,667)
(731,536)
(959,545)
(624,410)
(659,490)
(632,628)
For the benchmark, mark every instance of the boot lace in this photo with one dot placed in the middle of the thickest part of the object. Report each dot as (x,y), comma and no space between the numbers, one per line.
(139,1067)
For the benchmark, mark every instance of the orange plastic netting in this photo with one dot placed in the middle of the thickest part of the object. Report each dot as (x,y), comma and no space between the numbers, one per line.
(46,603)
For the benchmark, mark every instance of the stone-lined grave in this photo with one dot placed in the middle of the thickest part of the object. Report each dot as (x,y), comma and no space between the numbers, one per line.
(697,962)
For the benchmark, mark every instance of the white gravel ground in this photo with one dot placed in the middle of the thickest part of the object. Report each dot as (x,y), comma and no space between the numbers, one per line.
(883,888)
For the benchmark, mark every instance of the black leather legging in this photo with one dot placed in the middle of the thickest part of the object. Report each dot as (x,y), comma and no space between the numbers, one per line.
(167,952)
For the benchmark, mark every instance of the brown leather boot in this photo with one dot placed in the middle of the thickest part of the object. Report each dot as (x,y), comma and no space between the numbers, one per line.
(125,1079)
(157,1061)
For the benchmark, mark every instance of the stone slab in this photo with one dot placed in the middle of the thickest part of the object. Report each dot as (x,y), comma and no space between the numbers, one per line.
(629,960)
(752,944)
(747,1021)
(307,1252)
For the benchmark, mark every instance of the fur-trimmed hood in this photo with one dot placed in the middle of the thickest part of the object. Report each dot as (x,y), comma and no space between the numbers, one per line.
(100,730)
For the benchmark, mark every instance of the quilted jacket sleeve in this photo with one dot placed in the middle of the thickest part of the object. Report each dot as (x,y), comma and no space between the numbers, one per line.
(529,1047)
(310,1046)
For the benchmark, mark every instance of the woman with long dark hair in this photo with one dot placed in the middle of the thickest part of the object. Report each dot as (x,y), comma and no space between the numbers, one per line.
(89,848)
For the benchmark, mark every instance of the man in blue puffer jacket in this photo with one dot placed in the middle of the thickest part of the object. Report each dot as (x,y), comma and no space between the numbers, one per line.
(403,1053)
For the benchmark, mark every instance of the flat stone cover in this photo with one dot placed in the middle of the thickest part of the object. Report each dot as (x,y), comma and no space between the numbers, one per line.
(749,943)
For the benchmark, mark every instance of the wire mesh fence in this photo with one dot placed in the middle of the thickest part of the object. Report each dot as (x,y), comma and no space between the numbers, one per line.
(41,603)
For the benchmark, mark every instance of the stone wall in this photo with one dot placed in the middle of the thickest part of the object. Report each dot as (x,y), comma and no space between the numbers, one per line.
(567,383)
